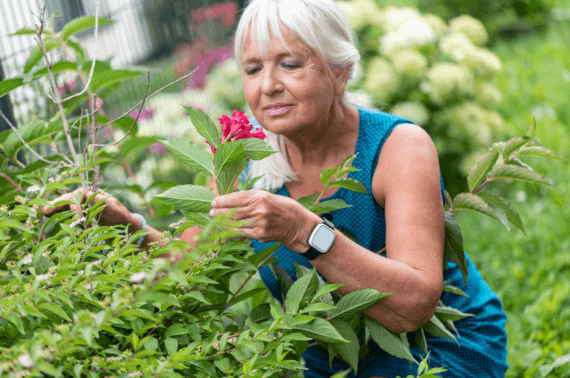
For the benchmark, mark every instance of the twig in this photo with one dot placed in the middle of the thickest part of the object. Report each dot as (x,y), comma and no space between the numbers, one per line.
(17,187)
(135,121)
(94,56)
(134,107)
(249,277)
(26,144)
(39,29)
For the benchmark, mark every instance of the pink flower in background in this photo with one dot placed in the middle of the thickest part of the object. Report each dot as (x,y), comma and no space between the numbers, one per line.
(61,89)
(72,85)
(237,127)
(99,103)
(144,114)
(158,148)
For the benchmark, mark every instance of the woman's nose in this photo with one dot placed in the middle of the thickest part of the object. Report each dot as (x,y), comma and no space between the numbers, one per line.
(271,82)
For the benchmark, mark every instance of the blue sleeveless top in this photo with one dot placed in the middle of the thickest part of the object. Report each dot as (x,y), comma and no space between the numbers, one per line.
(483,338)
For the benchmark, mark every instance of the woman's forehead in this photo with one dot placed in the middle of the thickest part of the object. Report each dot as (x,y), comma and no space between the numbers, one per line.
(293,46)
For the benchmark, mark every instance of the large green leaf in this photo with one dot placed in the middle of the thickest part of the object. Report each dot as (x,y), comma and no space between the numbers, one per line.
(303,289)
(508,171)
(357,301)
(256,149)
(438,329)
(389,341)
(9,85)
(226,154)
(190,154)
(308,200)
(134,143)
(36,54)
(453,249)
(327,174)
(540,152)
(470,201)
(81,23)
(55,309)
(25,31)
(510,148)
(321,330)
(284,280)
(32,132)
(229,175)
(328,205)
(104,75)
(57,67)
(348,351)
(445,313)
(510,212)
(205,126)
(194,198)
(420,339)
(350,184)
(481,169)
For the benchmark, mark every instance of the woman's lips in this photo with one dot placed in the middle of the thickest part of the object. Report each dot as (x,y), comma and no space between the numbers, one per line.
(277,109)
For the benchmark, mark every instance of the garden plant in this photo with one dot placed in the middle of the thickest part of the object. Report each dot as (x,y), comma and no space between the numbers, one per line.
(82,299)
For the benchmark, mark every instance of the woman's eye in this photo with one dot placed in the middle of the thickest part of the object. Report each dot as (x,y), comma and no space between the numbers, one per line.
(290,66)
(251,71)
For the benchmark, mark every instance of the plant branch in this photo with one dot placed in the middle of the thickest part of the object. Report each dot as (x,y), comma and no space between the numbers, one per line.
(86,86)
(17,187)
(39,29)
(155,92)
(488,180)
(26,144)
(133,124)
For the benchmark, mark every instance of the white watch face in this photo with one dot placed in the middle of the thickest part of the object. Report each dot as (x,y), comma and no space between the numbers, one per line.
(322,238)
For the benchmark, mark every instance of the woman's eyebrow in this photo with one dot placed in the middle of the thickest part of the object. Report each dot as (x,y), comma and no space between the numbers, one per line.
(278,56)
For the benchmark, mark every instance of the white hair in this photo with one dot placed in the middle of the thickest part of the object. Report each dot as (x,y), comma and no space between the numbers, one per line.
(320,26)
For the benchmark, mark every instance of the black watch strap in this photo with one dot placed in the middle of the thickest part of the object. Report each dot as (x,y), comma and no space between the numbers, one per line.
(312,253)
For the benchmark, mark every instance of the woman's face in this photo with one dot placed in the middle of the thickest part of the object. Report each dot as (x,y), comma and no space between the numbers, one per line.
(286,92)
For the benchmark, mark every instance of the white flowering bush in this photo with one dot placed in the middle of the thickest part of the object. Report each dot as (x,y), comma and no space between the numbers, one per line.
(436,74)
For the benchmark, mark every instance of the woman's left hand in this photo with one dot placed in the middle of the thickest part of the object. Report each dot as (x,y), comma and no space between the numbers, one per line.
(269,217)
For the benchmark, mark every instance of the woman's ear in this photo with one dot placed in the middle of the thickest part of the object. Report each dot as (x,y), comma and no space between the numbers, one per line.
(340,76)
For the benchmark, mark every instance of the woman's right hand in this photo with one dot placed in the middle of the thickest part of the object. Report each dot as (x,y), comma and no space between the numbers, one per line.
(115,213)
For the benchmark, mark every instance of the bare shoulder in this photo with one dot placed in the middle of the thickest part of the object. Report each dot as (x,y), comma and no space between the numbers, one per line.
(408,161)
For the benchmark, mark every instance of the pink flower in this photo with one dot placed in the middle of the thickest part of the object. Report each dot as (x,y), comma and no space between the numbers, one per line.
(99,103)
(72,85)
(158,148)
(237,127)
(144,114)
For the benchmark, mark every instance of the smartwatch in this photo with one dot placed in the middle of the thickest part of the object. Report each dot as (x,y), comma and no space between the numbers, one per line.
(321,238)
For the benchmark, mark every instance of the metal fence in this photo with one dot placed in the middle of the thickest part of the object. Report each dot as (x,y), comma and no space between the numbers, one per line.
(144,31)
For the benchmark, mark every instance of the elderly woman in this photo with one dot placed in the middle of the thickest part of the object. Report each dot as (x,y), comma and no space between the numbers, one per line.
(295,57)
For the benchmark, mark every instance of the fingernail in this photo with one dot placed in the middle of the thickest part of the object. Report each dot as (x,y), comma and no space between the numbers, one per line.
(213,203)
(211,213)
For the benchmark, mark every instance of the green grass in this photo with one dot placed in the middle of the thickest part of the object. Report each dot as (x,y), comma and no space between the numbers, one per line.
(531,274)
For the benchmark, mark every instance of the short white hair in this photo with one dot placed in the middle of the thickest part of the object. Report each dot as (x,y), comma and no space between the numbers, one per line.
(321,27)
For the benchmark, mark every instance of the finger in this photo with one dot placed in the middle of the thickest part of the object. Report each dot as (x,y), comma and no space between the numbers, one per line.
(230,200)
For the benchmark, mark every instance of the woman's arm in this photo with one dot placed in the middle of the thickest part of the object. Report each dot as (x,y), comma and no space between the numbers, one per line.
(407,184)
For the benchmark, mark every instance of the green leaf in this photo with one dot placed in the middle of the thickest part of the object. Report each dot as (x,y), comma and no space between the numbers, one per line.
(55,309)
(540,152)
(320,330)
(454,290)
(319,306)
(508,171)
(510,148)
(328,205)
(437,329)
(137,314)
(308,200)
(350,184)
(510,212)
(248,294)
(15,319)
(481,169)
(325,290)
(134,143)
(32,132)
(6,86)
(327,174)
(303,289)
(171,345)
(227,153)
(104,75)
(204,126)
(24,31)
(453,249)
(357,301)
(190,154)
(262,255)
(389,341)
(420,339)
(36,54)
(470,201)
(256,149)
(57,67)
(284,280)
(349,351)
(151,344)
(445,313)
(532,128)
(81,23)
(47,368)
(229,175)
(189,198)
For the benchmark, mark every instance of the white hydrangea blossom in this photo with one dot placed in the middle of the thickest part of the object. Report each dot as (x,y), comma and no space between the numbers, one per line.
(471,27)
(392,18)
(359,98)
(484,63)
(410,64)
(455,46)
(415,111)
(138,277)
(382,80)
(449,80)
(410,34)
(26,361)
(436,23)
(488,95)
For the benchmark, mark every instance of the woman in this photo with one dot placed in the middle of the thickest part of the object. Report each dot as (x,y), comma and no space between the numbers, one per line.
(296,57)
